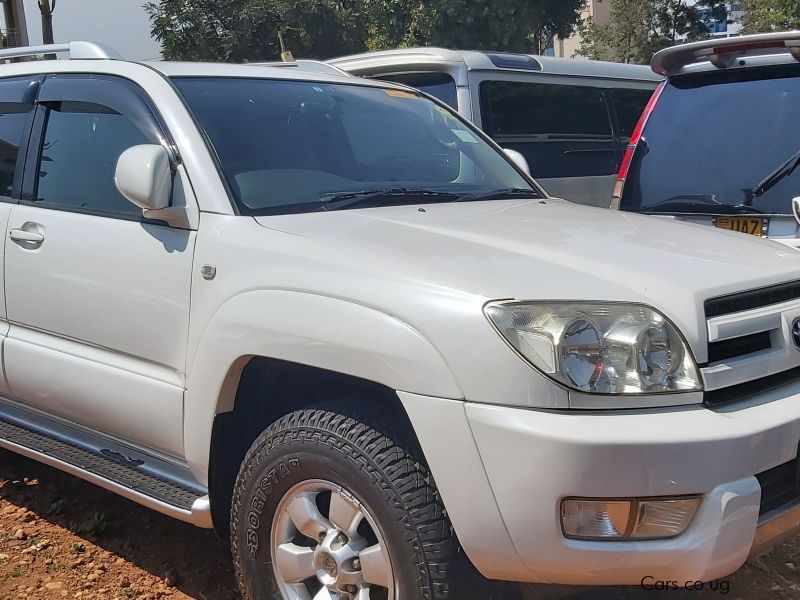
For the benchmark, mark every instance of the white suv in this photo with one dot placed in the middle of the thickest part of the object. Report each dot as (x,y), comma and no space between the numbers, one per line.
(329,317)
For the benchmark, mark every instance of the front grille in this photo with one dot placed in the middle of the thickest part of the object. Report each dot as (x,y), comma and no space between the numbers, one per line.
(725,305)
(751,389)
(747,344)
(779,486)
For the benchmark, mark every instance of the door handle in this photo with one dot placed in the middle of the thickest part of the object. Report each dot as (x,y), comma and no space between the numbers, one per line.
(24,236)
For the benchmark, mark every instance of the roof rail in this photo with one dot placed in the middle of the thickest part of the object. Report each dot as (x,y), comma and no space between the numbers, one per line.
(304,64)
(722,53)
(77,50)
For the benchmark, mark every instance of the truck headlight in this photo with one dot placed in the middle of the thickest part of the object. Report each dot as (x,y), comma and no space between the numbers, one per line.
(603,348)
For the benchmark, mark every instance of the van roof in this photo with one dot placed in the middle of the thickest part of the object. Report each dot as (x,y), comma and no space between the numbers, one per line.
(437,58)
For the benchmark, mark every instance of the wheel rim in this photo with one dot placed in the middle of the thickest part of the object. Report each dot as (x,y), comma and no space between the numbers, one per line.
(327,546)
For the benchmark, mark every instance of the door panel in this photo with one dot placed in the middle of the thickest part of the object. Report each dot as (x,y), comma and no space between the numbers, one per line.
(97,298)
(99,316)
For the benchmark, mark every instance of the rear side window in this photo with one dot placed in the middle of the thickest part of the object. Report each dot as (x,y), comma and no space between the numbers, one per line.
(16,106)
(629,106)
(438,85)
(562,130)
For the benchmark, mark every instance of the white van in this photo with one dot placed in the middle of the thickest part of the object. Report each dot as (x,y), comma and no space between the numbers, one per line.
(570,119)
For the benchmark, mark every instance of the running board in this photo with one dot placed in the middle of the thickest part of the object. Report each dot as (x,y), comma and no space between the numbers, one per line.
(123,478)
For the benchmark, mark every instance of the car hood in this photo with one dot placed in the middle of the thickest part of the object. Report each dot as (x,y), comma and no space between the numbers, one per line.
(550,250)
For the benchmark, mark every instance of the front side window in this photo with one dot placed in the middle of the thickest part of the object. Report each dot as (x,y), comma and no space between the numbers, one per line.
(295,146)
(88,125)
(562,130)
(82,143)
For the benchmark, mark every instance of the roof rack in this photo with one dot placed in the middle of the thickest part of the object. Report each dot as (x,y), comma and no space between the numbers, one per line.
(722,53)
(77,51)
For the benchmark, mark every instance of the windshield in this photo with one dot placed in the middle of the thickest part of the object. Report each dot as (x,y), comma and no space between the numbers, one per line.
(712,138)
(295,146)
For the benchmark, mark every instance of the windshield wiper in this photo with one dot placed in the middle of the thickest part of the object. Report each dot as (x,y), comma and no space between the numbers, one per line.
(499,194)
(352,199)
(698,204)
(778,175)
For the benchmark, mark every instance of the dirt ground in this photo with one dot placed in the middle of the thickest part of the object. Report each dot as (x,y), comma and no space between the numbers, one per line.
(63,538)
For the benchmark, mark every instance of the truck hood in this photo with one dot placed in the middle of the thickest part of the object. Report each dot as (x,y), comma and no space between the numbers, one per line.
(550,250)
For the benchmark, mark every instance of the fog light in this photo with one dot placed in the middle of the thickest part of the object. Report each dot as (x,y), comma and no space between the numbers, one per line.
(663,518)
(634,518)
(593,519)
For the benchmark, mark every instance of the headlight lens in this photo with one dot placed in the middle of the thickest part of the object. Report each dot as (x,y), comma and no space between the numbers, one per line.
(599,348)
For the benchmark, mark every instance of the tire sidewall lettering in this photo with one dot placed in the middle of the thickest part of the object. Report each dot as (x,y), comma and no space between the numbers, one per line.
(262,491)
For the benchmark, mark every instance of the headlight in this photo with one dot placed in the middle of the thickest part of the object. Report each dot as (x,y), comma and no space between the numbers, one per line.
(599,348)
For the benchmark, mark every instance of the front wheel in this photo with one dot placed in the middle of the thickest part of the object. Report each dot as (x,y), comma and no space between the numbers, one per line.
(327,508)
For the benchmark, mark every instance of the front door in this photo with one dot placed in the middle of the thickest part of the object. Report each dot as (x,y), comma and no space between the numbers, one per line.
(97,297)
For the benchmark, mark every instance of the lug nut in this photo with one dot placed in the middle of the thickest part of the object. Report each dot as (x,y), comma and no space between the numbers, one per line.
(351,589)
(356,564)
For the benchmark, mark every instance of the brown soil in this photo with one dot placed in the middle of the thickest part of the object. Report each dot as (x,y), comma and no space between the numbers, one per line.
(63,538)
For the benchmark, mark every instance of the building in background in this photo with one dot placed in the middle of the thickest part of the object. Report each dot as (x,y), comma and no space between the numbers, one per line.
(121,24)
(730,26)
(598,11)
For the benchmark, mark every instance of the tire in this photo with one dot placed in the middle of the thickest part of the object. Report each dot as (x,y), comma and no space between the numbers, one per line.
(310,455)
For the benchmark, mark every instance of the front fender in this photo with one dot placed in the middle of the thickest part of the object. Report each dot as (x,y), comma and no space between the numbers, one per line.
(308,329)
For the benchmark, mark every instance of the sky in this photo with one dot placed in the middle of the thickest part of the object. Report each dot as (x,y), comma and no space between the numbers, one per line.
(120,24)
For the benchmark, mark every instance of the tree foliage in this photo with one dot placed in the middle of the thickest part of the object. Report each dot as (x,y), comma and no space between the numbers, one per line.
(762,16)
(247,30)
(639,28)
(240,30)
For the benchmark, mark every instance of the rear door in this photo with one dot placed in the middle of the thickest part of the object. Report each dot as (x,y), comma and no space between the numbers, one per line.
(17,96)
(97,297)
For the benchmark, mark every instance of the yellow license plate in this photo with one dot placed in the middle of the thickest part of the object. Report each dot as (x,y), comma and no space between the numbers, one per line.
(751,225)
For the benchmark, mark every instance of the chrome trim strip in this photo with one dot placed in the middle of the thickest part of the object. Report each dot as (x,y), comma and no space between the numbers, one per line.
(775,527)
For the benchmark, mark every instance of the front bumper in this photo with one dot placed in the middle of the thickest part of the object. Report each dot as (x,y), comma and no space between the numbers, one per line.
(503,472)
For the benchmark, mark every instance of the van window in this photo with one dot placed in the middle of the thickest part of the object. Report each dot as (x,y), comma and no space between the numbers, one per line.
(439,85)
(629,106)
(562,130)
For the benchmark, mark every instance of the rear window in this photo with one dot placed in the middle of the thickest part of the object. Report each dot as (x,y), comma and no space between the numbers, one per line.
(439,85)
(712,137)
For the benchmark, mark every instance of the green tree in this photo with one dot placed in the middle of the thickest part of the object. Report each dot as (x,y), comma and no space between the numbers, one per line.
(762,16)
(502,25)
(238,30)
(247,30)
(639,28)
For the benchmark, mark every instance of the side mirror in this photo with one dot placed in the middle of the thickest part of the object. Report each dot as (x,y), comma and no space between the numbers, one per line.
(796,208)
(144,176)
(518,160)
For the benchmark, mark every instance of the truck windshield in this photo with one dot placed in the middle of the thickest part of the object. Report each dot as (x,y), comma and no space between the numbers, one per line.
(296,146)
(712,138)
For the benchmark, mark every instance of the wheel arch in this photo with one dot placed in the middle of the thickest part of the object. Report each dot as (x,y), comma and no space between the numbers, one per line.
(288,387)
(321,334)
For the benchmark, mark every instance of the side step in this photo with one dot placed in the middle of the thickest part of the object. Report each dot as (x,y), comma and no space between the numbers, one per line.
(121,477)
